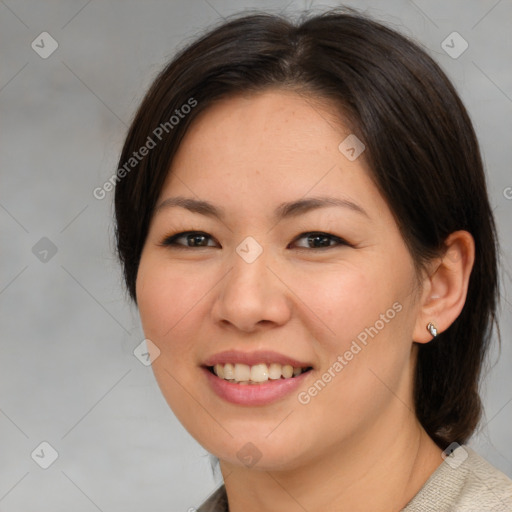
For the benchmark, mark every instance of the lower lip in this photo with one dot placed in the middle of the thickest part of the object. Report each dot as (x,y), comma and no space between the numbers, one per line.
(254,394)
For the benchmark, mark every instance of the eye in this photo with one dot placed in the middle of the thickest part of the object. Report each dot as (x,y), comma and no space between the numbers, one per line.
(192,239)
(319,240)
(196,239)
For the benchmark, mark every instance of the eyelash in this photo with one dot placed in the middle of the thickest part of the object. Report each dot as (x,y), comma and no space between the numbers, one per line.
(170,240)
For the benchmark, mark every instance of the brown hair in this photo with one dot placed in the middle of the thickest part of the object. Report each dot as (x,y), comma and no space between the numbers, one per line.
(420,146)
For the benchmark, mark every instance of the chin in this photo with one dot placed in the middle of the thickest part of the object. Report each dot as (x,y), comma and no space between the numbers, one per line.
(255,453)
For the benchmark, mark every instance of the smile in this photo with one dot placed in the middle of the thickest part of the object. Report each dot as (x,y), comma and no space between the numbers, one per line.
(255,378)
(256,374)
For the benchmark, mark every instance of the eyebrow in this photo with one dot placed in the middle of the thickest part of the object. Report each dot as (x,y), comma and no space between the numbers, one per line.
(284,210)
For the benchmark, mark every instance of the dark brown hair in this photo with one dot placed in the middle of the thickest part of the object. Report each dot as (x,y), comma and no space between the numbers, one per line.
(420,146)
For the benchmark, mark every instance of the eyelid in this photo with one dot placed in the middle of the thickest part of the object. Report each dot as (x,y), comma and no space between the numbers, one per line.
(169,240)
(339,241)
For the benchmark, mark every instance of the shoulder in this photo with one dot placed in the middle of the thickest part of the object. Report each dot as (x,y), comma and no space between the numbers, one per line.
(464,482)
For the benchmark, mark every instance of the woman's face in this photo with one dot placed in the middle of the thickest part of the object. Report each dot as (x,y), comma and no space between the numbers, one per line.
(279,281)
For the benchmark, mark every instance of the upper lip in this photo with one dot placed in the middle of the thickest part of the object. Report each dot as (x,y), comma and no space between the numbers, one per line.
(253,358)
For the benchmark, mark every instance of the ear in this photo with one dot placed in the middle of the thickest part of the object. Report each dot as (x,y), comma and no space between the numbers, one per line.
(445,286)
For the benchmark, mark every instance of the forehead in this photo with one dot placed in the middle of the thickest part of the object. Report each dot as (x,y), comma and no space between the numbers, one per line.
(276,121)
(265,148)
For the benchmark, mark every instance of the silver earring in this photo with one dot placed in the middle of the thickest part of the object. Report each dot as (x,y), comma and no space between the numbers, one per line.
(432,329)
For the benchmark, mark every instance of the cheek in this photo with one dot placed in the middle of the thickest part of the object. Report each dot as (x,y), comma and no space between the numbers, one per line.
(374,345)
(166,296)
(169,302)
(362,318)
(342,301)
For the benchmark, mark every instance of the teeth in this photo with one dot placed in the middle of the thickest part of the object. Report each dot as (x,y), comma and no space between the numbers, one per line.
(259,373)
(245,374)
(229,371)
(242,372)
(274,371)
(219,370)
(287,371)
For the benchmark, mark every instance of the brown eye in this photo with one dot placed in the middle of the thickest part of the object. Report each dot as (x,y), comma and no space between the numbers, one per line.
(192,239)
(319,240)
(197,239)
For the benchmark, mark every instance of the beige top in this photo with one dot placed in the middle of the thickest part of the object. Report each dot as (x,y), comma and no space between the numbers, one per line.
(464,482)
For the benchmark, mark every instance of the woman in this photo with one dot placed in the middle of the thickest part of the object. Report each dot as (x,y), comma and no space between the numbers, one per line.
(303,222)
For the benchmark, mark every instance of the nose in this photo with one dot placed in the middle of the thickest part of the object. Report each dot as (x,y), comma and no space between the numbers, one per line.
(251,296)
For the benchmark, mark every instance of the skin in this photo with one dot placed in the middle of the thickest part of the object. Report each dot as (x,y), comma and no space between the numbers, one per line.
(357,445)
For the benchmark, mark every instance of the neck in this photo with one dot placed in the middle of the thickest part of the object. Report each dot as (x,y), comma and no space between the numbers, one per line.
(380,470)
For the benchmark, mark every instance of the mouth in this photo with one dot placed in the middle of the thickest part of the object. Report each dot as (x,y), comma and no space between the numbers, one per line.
(244,374)
(257,378)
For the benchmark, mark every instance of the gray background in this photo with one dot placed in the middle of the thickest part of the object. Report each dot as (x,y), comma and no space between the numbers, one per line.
(68,375)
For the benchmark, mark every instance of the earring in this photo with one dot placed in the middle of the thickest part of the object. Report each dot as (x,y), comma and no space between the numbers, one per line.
(432,329)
